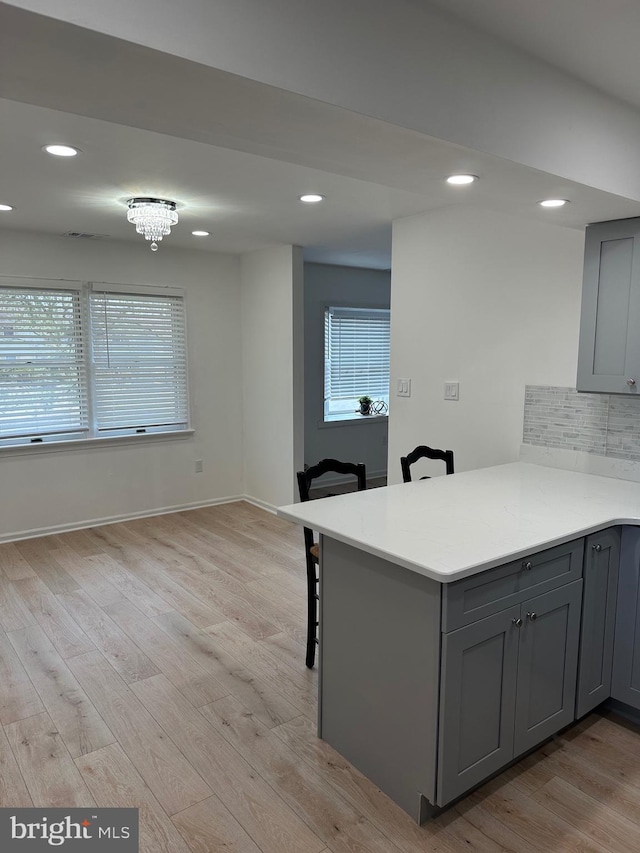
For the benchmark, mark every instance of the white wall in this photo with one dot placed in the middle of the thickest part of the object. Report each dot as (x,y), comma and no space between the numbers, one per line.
(353,441)
(491,301)
(271,346)
(397,60)
(54,488)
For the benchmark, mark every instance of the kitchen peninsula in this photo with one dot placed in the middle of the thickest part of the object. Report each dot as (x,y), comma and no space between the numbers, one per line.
(466,619)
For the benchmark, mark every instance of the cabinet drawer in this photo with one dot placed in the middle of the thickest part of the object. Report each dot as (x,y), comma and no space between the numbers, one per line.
(489,592)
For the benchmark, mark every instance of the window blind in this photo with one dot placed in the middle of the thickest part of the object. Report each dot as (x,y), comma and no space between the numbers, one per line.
(139,361)
(356,355)
(43,383)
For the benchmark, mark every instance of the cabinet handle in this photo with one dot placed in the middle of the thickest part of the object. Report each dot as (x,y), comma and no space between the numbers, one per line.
(527,566)
(532,616)
(517,621)
(597,548)
(631,382)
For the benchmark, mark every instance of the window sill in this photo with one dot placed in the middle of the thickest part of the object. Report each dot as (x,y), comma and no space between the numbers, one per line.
(93,443)
(351,420)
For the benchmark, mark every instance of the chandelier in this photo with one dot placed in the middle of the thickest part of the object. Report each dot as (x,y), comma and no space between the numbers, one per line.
(153,217)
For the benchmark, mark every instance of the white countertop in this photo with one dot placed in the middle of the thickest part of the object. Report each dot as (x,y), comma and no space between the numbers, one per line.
(450,527)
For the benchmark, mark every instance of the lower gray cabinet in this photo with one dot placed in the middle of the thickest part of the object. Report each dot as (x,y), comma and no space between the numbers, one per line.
(508,682)
(625,682)
(601,560)
(477,695)
(547,665)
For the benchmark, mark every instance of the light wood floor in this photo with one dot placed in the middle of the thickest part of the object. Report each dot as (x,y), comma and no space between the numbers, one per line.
(160,664)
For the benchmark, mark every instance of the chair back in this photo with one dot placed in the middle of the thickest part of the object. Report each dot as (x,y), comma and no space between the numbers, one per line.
(333,466)
(326,466)
(424,452)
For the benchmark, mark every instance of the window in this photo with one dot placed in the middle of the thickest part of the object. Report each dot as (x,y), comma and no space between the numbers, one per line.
(356,359)
(139,363)
(82,361)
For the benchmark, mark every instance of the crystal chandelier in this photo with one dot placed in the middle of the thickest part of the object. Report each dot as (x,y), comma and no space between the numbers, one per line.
(153,217)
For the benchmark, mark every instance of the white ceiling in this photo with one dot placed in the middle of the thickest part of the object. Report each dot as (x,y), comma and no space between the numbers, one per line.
(595,40)
(253,150)
(249,202)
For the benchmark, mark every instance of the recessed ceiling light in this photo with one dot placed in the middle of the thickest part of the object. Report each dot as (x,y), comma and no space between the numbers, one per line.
(311,198)
(200,233)
(553,202)
(461,179)
(61,150)
(6,207)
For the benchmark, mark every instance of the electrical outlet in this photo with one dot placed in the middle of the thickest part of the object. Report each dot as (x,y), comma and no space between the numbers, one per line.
(452,391)
(403,388)
(198,466)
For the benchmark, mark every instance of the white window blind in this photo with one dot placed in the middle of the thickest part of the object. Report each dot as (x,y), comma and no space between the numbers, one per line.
(81,361)
(42,368)
(356,357)
(139,361)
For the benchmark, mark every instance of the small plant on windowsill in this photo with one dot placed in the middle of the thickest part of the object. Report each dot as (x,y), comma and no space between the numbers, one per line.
(365,405)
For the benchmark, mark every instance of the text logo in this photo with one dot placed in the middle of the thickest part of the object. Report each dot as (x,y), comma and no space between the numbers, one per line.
(87,830)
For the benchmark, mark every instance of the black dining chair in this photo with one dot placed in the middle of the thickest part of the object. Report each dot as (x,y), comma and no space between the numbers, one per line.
(311,548)
(424,452)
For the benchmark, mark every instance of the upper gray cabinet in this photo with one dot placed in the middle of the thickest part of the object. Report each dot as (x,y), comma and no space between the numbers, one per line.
(609,352)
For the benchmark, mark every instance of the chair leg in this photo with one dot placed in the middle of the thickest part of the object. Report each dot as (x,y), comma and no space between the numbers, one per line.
(312,616)
(311,633)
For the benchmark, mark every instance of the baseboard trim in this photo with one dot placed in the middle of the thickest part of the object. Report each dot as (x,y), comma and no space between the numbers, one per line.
(627,711)
(272,508)
(114,519)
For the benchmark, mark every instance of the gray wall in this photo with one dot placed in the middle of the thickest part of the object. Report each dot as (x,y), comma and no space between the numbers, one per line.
(353,441)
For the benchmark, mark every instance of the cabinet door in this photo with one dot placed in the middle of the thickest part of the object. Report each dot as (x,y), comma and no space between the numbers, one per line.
(547,665)
(625,683)
(609,351)
(601,561)
(479,668)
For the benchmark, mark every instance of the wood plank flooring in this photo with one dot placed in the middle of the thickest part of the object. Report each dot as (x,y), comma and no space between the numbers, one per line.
(159,663)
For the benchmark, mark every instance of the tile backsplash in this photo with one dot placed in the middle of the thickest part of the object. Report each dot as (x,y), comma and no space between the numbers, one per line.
(602,424)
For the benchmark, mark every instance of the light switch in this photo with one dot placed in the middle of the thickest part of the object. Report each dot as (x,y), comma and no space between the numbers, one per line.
(403,388)
(452,391)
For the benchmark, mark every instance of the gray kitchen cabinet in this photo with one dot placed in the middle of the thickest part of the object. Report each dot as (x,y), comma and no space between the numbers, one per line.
(508,683)
(601,561)
(496,589)
(625,682)
(609,350)
(428,701)
(547,665)
(477,695)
